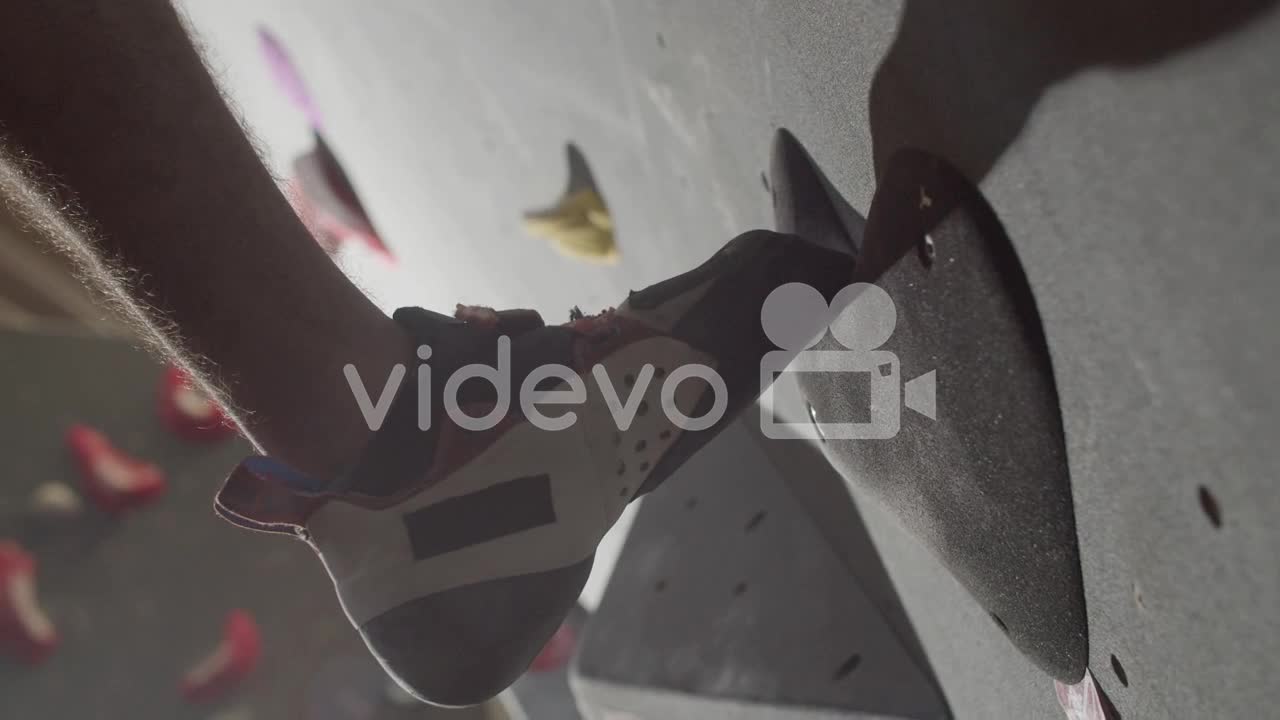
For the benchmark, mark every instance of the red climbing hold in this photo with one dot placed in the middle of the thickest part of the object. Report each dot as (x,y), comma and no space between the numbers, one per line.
(190,414)
(115,481)
(229,664)
(25,628)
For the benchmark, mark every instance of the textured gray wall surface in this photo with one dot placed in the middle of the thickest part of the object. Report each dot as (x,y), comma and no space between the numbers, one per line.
(139,598)
(1136,182)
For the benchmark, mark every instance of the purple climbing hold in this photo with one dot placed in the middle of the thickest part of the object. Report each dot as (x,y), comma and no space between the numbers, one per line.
(288,77)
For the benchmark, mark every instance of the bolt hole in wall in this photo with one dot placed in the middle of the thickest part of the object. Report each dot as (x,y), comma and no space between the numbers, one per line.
(660,586)
(847,667)
(1209,504)
(927,251)
(740,589)
(813,418)
(1119,671)
(999,623)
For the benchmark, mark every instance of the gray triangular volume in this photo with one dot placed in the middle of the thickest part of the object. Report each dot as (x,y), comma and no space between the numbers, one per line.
(732,602)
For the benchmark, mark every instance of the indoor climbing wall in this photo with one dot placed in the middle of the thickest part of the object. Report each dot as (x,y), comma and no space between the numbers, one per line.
(1126,152)
(142,586)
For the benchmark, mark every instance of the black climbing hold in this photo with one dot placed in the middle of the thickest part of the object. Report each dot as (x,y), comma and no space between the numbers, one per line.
(986,482)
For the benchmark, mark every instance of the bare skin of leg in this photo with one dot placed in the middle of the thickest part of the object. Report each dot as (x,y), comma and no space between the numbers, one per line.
(117,145)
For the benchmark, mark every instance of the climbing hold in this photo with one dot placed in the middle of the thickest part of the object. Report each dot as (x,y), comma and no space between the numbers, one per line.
(188,412)
(114,480)
(25,628)
(579,224)
(54,500)
(229,664)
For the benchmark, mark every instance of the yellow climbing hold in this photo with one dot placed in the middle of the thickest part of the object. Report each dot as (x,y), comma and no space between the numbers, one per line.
(578,226)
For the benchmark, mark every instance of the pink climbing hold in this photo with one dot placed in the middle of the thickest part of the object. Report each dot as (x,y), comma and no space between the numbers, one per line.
(557,652)
(1084,700)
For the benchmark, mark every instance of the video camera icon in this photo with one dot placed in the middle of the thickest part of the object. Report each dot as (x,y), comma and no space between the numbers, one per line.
(861,317)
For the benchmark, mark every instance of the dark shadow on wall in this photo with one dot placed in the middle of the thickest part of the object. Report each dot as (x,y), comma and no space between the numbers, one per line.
(961,78)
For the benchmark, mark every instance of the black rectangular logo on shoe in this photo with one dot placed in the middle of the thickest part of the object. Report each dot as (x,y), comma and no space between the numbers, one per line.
(503,509)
